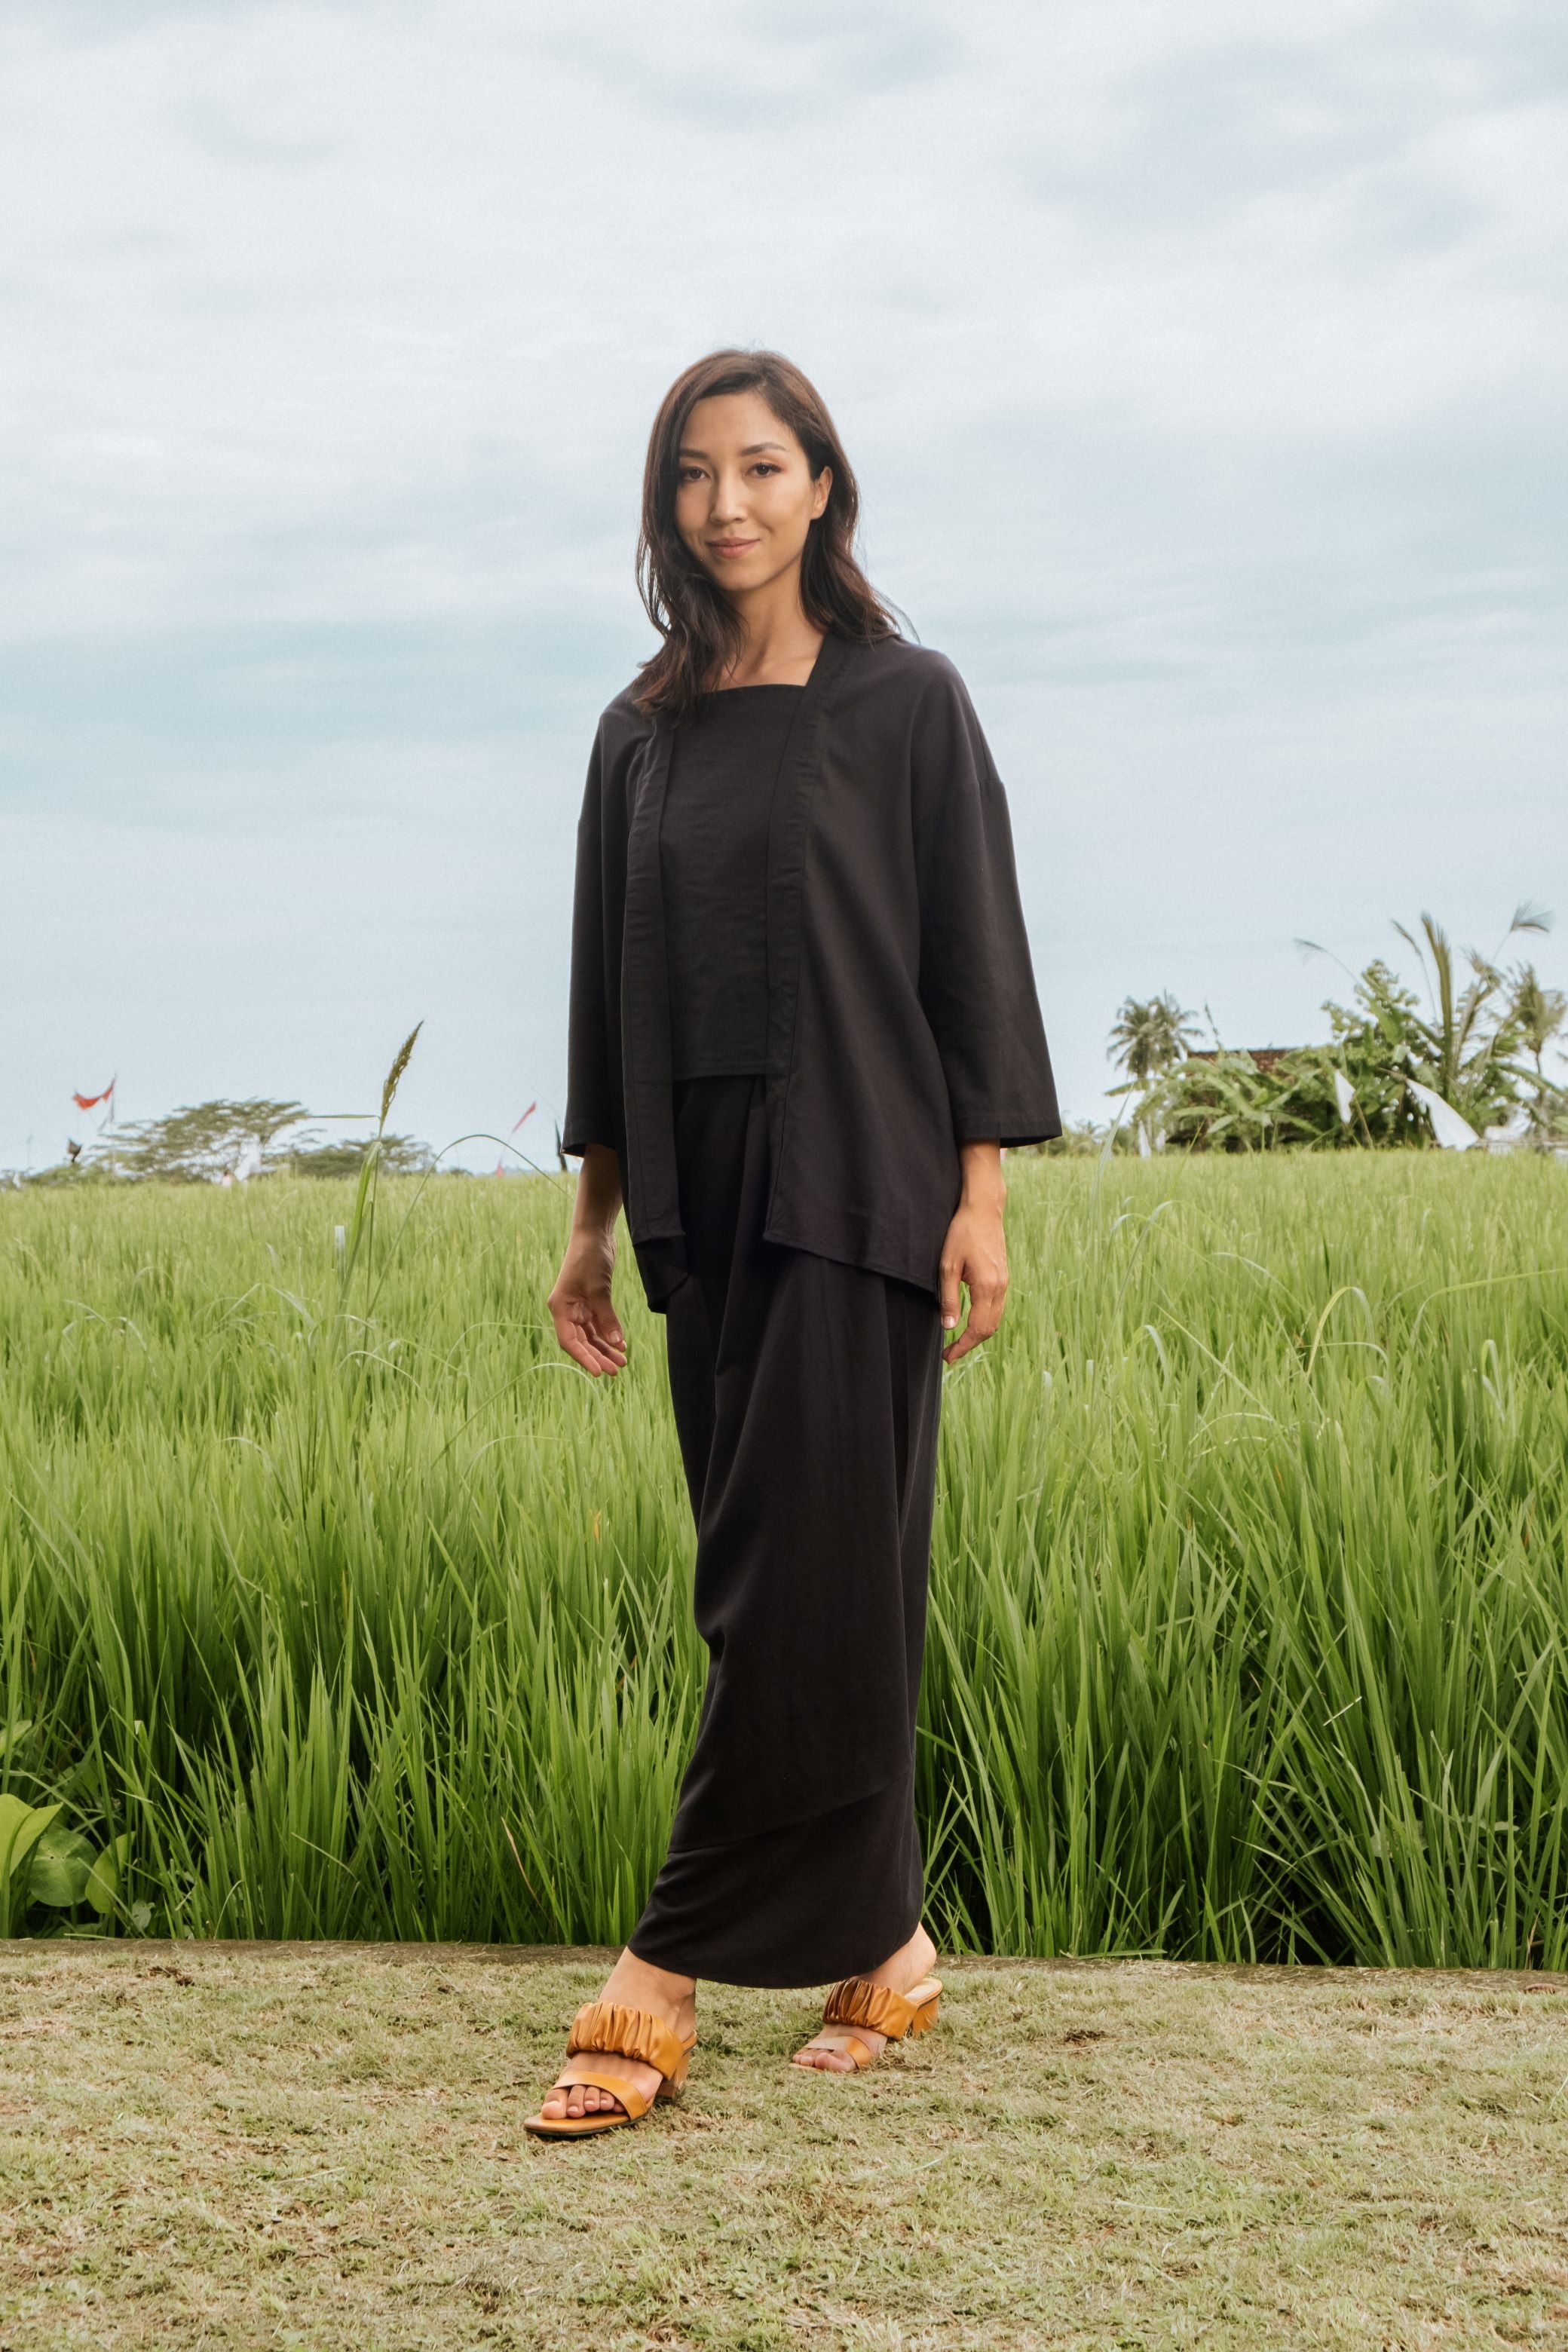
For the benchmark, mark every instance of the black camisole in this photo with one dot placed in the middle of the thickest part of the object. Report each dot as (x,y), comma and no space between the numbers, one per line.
(713,857)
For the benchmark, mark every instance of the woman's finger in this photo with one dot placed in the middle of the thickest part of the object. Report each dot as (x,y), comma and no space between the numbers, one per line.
(579,1345)
(987,1296)
(967,1339)
(607,1329)
(949,1291)
(581,1351)
(577,1328)
(604,1330)
(987,1287)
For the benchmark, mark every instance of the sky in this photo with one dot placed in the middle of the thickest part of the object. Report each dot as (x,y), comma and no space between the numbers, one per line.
(1204,369)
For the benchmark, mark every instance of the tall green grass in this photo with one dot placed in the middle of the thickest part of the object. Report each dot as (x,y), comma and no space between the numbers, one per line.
(1249,1620)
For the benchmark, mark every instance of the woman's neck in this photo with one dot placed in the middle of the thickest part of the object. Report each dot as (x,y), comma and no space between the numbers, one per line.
(781,642)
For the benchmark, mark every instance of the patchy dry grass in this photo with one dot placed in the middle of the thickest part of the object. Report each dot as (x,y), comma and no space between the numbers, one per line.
(202,2145)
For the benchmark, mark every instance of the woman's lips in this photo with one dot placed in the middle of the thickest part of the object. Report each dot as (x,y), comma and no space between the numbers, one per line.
(731,546)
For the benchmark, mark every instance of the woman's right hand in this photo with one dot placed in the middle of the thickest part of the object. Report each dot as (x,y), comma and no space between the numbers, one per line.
(580,1304)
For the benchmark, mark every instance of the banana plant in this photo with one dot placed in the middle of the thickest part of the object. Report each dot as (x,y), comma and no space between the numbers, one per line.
(44,1865)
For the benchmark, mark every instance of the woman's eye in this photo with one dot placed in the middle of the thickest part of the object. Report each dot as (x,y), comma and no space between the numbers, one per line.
(764,469)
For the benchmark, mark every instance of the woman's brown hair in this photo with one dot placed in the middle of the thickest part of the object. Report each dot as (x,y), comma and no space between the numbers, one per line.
(699,628)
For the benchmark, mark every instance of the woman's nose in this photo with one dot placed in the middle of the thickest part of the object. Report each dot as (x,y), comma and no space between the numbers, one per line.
(729,499)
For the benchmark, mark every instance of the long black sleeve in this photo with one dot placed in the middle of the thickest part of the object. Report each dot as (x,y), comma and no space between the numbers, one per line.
(590,1088)
(976,980)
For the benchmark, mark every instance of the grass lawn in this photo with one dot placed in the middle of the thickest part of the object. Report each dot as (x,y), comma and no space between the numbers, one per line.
(206,2146)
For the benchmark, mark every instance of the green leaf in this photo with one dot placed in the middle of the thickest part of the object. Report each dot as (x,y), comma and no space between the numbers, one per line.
(61,1860)
(102,1888)
(21,1827)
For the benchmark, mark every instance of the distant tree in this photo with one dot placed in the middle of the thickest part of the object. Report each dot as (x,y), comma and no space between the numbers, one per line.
(1081,1139)
(1463,1050)
(1150,1036)
(401,1155)
(1539,1014)
(1375,1038)
(203,1141)
(1467,1045)
(1464,1047)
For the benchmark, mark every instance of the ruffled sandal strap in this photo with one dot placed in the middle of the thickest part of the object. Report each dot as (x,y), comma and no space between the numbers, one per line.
(855,2000)
(612,2029)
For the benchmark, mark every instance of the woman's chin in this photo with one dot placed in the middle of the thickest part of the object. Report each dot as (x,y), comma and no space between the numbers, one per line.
(738,579)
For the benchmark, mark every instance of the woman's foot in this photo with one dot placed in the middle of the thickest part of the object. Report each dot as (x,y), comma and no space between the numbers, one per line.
(635,1986)
(829,2050)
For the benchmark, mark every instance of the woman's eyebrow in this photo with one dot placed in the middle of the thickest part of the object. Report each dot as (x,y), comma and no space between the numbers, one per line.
(752,450)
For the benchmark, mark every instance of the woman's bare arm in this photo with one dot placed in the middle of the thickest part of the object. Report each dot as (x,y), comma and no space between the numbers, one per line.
(580,1306)
(974,1254)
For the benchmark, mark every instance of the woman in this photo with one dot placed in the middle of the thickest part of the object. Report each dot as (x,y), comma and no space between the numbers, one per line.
(803,1027)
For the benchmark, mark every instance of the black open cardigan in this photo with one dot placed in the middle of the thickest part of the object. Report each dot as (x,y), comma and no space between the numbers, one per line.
(902,1019)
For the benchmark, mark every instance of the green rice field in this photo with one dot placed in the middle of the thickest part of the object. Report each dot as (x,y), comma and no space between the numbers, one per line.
(336,1604)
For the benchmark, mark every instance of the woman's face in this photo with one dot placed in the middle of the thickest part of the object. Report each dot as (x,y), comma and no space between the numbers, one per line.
(745,495)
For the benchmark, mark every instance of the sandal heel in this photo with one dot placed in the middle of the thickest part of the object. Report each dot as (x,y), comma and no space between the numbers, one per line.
(676,2082)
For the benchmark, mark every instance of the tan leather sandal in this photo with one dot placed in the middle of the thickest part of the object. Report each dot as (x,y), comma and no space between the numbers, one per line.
(855,2000)
(605,2029)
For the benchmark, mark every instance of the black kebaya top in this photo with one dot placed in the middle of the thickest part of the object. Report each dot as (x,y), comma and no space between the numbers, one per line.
(713,859)
(902,1013)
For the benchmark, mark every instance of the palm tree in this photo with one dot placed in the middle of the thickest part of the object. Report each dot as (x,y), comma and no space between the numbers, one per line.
(1466,1043)
(1149,1037)
(1538,1014)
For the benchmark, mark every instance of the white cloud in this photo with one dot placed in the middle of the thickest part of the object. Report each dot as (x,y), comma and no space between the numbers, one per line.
(1202,367)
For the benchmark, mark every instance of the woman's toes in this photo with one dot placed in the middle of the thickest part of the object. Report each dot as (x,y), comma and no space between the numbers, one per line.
(823,2059)
(587,2099)
(570,2101)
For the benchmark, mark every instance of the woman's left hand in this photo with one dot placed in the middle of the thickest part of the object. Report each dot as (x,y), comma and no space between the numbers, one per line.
(974,1254)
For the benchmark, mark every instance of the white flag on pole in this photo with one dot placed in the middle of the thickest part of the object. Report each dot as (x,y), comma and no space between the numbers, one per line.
(1454,1133)
(1345,1095)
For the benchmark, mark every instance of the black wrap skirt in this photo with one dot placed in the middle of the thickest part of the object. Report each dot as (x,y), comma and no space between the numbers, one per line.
(806,1398)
